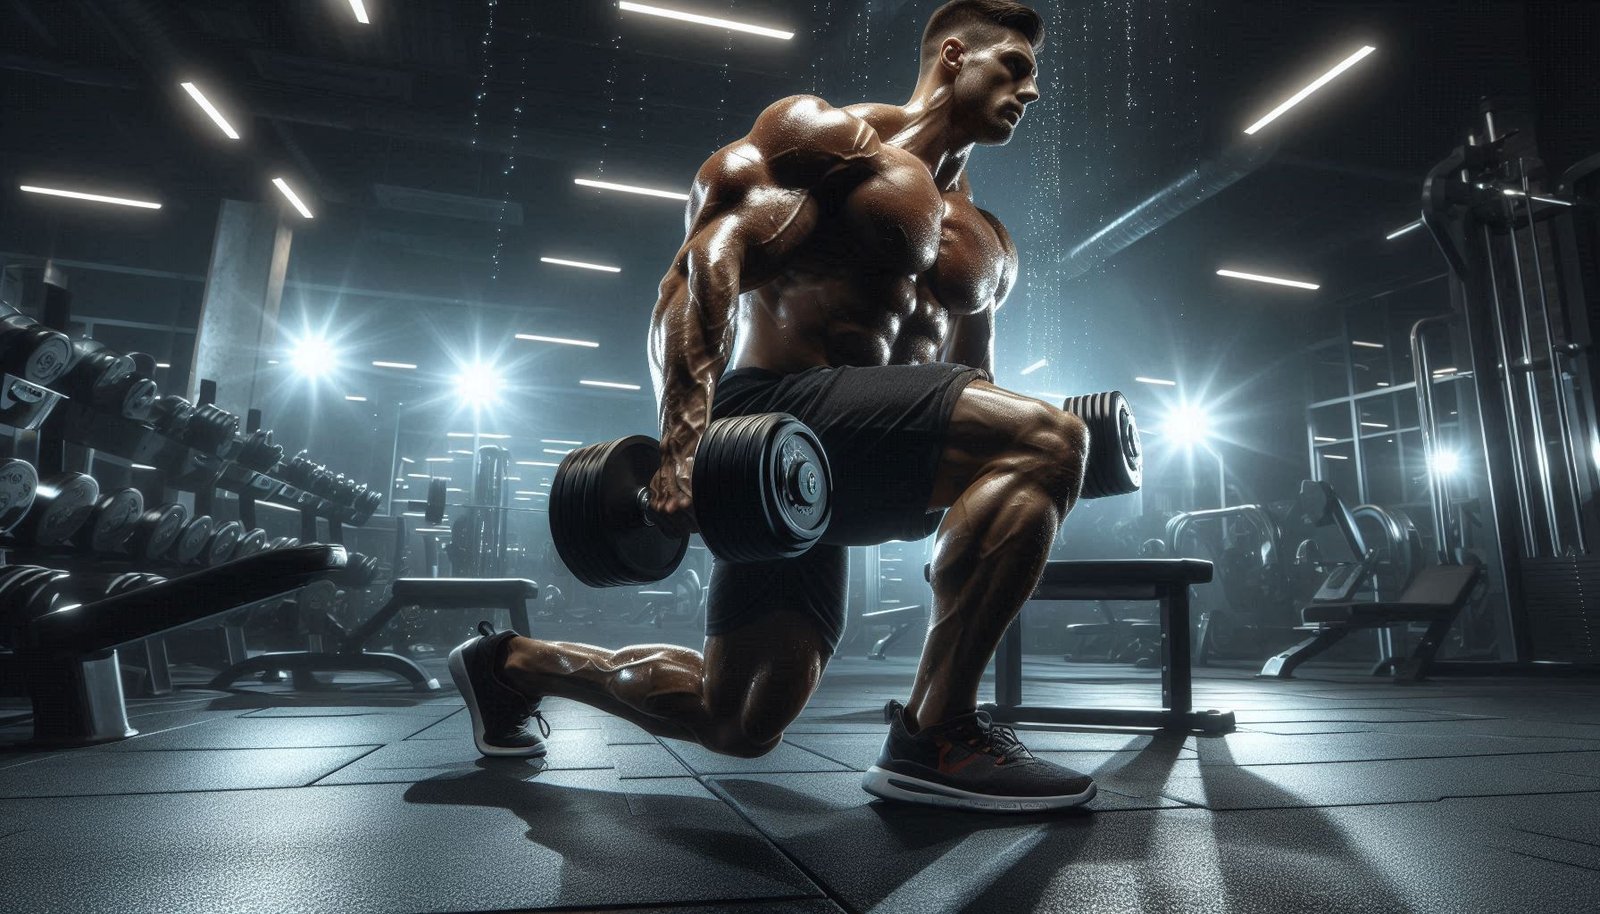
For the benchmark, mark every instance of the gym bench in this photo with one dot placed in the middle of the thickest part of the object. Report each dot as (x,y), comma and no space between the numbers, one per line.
(1436,597)
(1166,581)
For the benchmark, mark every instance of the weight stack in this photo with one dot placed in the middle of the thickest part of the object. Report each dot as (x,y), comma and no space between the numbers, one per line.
(1561,597)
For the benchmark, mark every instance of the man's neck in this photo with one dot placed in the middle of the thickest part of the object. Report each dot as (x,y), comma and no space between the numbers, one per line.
(930,135)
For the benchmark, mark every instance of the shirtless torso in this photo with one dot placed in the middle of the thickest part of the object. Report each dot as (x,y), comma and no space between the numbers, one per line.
(840,248)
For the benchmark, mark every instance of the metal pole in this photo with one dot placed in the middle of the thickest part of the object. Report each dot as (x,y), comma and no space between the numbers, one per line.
(1530,385)
(396,469)
(1557,382)
(1430,446)
(1509,391)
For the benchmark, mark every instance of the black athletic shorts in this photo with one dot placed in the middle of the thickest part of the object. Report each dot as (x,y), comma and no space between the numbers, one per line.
(883,429)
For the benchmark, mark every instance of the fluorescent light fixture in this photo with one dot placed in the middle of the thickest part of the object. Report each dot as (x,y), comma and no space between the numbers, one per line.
(580,264)
(92,198)
(163,364)
(1446,370)
(536,463)
(437,459)
(406,365)
(521,498)
(1408,227)
(1036,366)
(432,530)
(1163,382)
(272,361)
(559,441)
(1255,277)
(556,451)
(458,434)
(655,593)
(630,189)
(1323,438)
(454,489)
(495,436)
(355,399)
(1366,345)
(407,460)
(1316,84)
(1374,425)
(418,476)
(528,493)
(614,385)
(289,194)
(628,6)
(1336,456)
(360,9)
(141,466)
(1383,384)
(559,340)
(210,110)
(463,453)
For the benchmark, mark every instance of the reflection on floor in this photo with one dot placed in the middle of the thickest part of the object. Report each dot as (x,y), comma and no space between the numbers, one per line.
(1337,793)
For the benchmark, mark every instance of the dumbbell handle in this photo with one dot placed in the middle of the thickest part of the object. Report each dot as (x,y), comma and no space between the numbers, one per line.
(643,499)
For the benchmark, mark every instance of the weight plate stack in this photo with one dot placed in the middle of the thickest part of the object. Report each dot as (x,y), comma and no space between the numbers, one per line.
(111,522)
(597,522)
(156,531)
(19,483)
(192,542)
(1116,460)
(251,543)
(762,488)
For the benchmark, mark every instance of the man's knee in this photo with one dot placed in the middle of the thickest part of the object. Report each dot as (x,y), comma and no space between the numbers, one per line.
(1053,445)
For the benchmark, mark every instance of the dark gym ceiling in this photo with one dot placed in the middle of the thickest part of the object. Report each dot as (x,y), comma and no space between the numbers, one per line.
(363,117)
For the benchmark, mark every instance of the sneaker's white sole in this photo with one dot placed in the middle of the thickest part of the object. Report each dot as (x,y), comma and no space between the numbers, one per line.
(892,786)
(458,672)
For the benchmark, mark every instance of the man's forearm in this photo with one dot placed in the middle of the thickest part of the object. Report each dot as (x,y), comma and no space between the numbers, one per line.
(694,337)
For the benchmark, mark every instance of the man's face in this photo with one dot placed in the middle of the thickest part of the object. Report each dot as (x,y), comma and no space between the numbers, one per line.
(997,81)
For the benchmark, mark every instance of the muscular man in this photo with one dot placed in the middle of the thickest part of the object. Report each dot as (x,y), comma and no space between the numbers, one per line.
(836,268)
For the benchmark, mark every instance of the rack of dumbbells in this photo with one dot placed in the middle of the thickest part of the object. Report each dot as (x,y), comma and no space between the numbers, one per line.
(79,560)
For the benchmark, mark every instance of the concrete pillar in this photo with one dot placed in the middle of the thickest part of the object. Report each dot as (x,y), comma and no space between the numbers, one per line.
(239,313)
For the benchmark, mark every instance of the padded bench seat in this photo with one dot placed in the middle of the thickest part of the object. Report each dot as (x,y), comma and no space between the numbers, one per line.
(462,593)
(1369,614)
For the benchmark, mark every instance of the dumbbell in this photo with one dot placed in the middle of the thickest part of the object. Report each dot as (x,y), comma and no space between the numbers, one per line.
(109,381)
(252,542)
(26,593)
(61,504)
(223,545)
(111,523)
(19,485)
(154,533)
(762,490)
(257,451)
(192,542)
(1115,464)
(205,428)
(32,351)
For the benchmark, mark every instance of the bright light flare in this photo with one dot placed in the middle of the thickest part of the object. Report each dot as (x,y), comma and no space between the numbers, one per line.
(360,9)
(1316,84)
(479,384)
(1188,425)
(313,356)
(1444,463)
(628,6)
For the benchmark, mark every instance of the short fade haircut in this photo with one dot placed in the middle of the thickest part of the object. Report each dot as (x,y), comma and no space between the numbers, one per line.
(961,15)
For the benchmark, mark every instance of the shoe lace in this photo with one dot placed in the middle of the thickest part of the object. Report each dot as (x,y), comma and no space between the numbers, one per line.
(1001,740)
(544,726)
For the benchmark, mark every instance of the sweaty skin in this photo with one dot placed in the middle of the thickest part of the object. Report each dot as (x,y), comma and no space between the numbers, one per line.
(832,237)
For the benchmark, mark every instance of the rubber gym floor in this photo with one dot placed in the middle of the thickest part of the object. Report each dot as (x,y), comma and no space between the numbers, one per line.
(1337,792)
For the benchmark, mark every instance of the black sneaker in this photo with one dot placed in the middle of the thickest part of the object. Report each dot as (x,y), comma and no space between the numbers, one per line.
(500,714)
(970,762)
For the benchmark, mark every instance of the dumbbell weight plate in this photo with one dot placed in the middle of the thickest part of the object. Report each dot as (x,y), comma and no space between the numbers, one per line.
(19,482)
(111,522)
(192,542)
(762,488)
(595,518)
(251,543)
(156,531)
(223,544)
(1116,460)
(61,506)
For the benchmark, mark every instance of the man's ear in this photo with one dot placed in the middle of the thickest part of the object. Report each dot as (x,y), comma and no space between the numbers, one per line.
(952,54)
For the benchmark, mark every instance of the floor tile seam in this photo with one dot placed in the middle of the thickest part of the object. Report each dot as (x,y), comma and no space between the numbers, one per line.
(347,764)
(822,755)
(659,905)
(1377,803)
(1530,831)
(1531,856)
(795,861)
(132,751)
(1367,761)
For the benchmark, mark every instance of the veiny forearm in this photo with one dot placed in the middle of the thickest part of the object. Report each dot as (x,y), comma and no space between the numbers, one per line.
(692,340)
